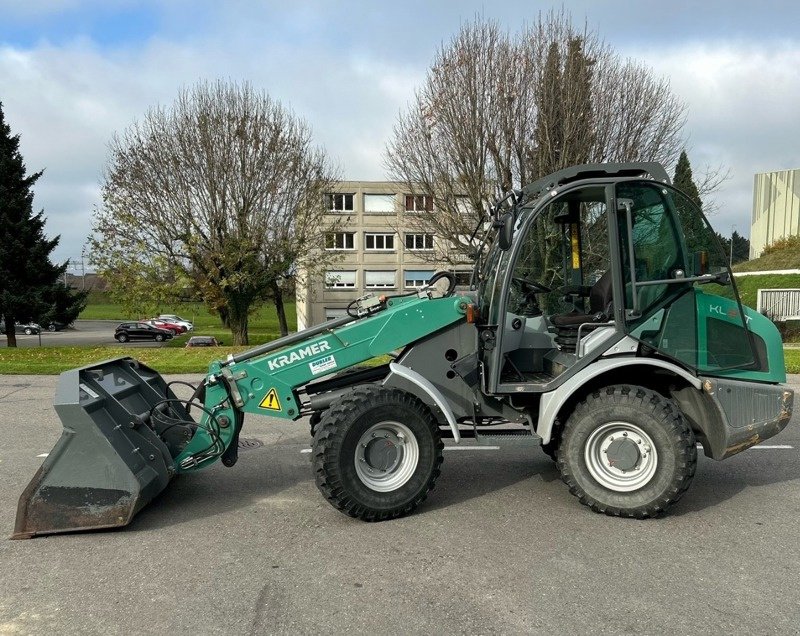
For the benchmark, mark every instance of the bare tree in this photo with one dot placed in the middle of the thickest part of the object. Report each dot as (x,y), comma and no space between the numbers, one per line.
(222,191)
(498,110)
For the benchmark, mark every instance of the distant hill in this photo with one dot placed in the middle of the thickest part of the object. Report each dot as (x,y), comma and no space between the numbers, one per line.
(784,254)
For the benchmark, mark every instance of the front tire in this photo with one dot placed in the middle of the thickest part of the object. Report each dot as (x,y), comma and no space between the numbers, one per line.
(122,338)
(377,453)
(627,451)
(159,338)
(314,420)
(28,331)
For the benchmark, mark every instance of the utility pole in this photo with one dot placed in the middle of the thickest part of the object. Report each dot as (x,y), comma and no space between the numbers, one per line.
(83,268)
(730,259)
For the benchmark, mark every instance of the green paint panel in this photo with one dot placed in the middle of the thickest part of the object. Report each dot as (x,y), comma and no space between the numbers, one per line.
(277,374)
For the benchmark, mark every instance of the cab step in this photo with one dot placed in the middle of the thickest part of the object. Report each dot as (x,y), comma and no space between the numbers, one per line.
(515,435)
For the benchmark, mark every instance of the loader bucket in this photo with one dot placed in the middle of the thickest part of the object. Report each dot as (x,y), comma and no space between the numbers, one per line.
(109,462)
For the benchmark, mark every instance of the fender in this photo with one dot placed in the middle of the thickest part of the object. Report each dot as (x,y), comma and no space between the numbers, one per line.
(426,386)
(552,402)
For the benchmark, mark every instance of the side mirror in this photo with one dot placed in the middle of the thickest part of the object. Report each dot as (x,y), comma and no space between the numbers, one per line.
(505,235)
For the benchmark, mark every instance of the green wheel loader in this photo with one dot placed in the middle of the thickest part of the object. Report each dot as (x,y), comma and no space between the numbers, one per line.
(602,323)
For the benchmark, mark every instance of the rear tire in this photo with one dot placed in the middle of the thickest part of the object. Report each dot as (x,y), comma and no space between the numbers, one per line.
(377,453)
(627,451)
(28,331)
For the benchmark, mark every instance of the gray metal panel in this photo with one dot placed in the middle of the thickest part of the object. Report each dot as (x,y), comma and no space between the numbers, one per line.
(750,412)
(552,402)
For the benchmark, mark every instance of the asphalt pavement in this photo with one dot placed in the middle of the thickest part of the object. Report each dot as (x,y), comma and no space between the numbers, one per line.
(499,547)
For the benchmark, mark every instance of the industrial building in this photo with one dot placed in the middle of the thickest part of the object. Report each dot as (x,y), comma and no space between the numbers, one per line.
(776,209)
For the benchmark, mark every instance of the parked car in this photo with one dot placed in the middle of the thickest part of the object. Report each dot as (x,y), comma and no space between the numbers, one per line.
(56,326)
(203,341)
(174,327)
(28,328)
(140,331)
(177,320)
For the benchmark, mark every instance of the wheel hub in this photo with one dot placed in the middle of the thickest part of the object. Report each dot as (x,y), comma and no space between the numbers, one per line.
(383,452)
(623,453)
(386,456)
(621,456)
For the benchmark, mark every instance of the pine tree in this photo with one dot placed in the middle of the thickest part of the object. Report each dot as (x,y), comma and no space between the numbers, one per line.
(684,181)
(694,229)
(741,248)
(28,280)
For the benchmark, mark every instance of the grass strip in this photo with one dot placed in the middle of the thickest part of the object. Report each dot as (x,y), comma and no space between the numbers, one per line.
(53,360)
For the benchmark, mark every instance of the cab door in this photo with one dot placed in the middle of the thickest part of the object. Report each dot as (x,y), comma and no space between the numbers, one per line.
(680,299)
(560,250)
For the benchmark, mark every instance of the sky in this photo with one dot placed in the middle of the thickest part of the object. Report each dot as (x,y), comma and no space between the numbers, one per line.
(74,72)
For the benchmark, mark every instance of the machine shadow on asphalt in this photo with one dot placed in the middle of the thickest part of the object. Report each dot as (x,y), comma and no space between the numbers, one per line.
(265,472)
(716,483)
(261,474)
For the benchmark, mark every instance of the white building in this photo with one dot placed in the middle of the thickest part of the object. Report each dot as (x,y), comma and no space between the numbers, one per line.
(776,209)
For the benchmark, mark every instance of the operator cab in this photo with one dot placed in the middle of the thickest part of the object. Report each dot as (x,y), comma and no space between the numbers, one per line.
(591,260)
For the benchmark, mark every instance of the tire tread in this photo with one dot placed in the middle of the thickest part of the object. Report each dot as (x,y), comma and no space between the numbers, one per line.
(669,416)
(328,477)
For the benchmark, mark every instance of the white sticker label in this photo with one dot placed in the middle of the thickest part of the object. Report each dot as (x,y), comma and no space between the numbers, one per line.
(323,364)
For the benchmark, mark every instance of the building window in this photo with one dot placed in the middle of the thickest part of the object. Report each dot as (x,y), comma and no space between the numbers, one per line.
(339,202)
(340,241)
(340,279)
(419,203)
(374,279)
(332,313)
(378,241)
(463,278)
(419,241)
(379,204)
(416,277)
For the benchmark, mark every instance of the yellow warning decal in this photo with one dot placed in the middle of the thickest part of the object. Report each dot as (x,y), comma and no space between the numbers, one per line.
(271,401)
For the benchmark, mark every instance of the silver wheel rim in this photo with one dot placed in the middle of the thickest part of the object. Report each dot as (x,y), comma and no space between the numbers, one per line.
(386,456)
(604,471)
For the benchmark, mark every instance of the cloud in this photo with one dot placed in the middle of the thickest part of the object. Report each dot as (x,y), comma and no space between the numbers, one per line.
(348,83)
(742,112)
(67,101)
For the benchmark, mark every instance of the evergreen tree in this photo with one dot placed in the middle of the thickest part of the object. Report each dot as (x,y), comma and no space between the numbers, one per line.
(684,181)
(697,235)
(29,282)
(741,248)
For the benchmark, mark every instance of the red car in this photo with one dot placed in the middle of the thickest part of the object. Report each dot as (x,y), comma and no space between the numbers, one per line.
(170,326)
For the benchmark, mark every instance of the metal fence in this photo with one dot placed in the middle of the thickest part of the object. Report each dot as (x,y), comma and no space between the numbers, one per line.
(779,304)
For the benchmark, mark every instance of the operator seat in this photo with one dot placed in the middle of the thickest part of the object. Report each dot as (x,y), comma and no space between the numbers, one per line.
(600,307)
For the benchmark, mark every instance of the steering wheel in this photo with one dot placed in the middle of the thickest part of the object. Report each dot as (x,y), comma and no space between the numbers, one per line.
(530,286)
